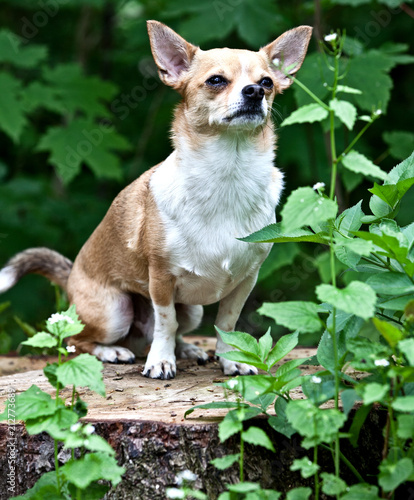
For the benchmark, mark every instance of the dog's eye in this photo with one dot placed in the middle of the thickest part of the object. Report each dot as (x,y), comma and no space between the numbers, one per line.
(216,80)
(266,82)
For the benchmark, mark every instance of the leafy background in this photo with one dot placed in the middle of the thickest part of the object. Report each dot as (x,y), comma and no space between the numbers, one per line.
(82,114)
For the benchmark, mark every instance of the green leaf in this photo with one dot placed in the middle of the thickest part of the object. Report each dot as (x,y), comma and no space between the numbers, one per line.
(275,234)
(41,340)
(243,487)
(357,162)
(280,422)
(390,332)
(402,171)
(252,387)
(77,92)
(216,405)
(84,141)
(347,90)
(374,392)
(404,404)
(306,467)
(83,371)
(301,493)
(332,485)
(34,403)
(405,429)
(305,207)
(401,143)
(92,467)
(242,357)
(316,425)
(349,398)
(45,487)
(396,304)
(392,193)
(391,283)
(229,426)
(358,491)
(345,111)
(12,114)
(295,315)
(13,51)
(319,387)
(257,436)
(357,423)
(407,348)
(62,418)
(283,347)
(350,220)
(393,474)
(349,252)
(265,345)
(357,298)
(306,114)
(243,341)
(225,462)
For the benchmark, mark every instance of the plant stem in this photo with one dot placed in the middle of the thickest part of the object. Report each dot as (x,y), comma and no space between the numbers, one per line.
(348,464)
(241,460)
(309,92)
(315,461)
(57,464)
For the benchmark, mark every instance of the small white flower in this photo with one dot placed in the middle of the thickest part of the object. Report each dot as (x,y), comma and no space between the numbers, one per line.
(318,185)
(316,380)
(185,475)
(71,348)
(55,318)
(175,493)
(232,383)
(381,362)
(378,112)
(75,427)
(276,61)
(331,37)
(89,429)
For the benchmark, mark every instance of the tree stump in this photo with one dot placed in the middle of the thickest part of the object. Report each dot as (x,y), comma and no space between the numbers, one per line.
(143,419)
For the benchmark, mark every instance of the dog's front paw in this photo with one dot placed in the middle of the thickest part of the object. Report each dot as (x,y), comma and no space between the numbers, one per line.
(163,369)
(231,368)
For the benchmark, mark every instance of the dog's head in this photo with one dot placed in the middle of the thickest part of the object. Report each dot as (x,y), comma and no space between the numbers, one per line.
(227,87)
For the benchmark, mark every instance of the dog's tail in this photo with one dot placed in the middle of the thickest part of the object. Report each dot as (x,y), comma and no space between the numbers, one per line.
(44,261)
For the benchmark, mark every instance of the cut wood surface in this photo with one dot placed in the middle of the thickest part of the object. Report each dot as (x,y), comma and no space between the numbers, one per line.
(130,396)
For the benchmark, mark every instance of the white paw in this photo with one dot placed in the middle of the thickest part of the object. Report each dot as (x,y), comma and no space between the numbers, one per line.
(113,354)
(231,368)
(184,350)
(163,369)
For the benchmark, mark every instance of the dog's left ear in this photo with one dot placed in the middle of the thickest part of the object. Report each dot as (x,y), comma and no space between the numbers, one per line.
(287,53)
(172,54)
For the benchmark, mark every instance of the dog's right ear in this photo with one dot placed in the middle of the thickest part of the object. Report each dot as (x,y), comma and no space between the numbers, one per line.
(172,54)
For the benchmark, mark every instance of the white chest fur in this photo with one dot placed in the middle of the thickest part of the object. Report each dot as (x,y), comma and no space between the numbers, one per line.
(208,198)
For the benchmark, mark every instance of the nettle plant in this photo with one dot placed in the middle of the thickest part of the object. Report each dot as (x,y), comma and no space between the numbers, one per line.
(92,458)
(381,297)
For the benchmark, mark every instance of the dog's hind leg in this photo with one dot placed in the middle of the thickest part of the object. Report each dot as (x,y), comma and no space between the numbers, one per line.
(107,314)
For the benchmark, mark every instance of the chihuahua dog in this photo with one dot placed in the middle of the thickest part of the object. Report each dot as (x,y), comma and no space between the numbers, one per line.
(169,242)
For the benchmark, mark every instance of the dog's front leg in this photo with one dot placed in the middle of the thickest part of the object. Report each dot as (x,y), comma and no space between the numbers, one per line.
(229,311)
(161,358)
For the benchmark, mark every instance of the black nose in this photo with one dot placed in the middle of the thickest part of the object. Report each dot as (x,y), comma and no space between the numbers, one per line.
(253,92)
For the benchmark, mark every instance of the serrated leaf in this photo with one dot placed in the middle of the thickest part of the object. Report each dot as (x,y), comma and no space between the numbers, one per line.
(391,283)
(345,111)
(358,491)
(77,92)
(34,403)
(350,220)
(306,467)
(242,357)
(332,485)
(295,315)
(359,163)
(301,493)
(306,114)
(242,341)
(92,467)
(41,339)
(402,171)
(62,418)
(14,52)
(275,234)
(83,371)
(374,392)
(83,141)
(229,426)
(305,207)
(403,404)
(265,345)
(393,474)
(225,462)
(12,115)
(283,347)
(257,436)
(357,298)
